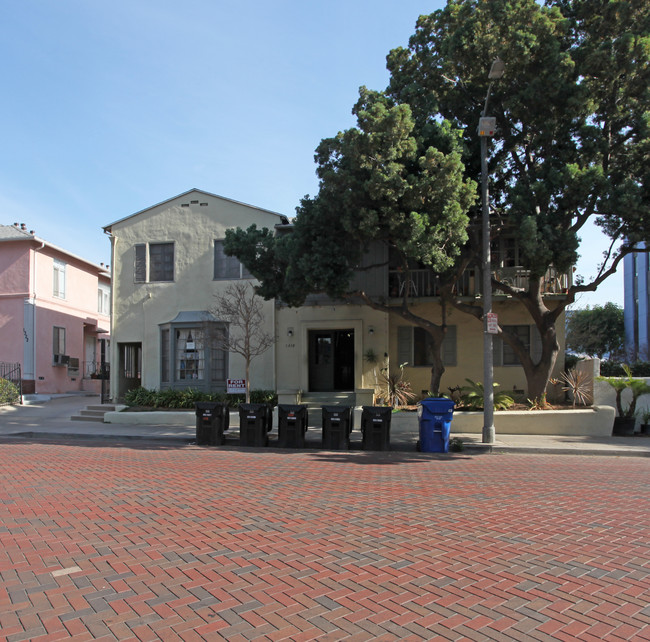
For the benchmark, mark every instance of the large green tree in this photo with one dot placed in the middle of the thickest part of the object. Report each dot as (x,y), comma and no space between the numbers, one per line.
(597,331)
(573,146)
(385,182)
(573,142)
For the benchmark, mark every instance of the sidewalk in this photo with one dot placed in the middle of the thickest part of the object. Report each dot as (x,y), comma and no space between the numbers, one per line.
(51,419)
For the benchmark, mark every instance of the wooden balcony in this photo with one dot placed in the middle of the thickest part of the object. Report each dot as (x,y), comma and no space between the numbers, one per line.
(422,283)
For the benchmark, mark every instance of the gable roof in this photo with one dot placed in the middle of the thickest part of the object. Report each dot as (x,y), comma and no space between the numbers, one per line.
(14,233)
(282,218)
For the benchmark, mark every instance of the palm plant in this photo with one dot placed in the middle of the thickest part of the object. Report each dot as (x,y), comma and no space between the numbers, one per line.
(473,396)
(638,387)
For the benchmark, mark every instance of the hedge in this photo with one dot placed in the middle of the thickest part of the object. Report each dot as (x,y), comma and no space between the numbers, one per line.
(188,397)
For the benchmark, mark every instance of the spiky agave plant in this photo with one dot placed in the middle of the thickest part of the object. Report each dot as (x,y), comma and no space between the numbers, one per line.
(578,384)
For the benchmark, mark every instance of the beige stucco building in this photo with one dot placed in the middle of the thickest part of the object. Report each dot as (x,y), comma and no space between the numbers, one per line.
(168,264)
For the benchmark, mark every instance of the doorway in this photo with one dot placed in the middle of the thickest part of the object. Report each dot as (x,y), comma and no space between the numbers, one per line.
(331,360)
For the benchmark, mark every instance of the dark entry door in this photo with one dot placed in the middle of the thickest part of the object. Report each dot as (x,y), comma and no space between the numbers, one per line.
(331,360)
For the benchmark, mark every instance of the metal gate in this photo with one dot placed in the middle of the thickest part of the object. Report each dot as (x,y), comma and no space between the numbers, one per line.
(11,389)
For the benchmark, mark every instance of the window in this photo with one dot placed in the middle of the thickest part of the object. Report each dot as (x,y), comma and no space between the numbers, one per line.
(415,346)
(164,355)
(160,263)
(227,267)
(104,299)
(59,279)
(58,340)
(504,355)
(505,252)
(190,356)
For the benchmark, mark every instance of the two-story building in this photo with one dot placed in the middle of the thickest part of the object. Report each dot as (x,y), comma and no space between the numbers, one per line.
(54,314)
(168,263)
(168,266)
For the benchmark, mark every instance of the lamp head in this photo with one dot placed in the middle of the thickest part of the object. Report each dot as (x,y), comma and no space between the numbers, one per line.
(497,69)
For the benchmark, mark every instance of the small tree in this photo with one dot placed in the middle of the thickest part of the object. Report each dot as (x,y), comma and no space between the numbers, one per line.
(597,331)
(242,309)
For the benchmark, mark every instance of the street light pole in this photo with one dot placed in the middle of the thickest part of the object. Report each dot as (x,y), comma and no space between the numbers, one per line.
(488,356)
(486,129)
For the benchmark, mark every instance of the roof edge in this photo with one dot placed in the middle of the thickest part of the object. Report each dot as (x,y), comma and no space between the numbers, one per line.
(106,228)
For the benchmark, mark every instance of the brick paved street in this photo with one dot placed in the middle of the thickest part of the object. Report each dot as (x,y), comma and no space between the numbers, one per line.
(102,541)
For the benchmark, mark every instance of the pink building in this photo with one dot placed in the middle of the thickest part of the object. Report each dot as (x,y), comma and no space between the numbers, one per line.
(54,314)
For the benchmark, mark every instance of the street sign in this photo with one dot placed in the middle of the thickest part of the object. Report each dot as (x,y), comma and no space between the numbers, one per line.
(492,323)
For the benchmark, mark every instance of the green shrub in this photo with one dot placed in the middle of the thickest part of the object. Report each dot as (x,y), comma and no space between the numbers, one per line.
(616,369)
(9,392)
(187,397)
(472,397)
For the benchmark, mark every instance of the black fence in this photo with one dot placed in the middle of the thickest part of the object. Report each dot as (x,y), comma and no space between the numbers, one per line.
(10,383)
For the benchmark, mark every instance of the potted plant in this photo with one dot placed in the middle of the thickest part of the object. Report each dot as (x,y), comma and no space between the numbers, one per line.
(626,415)
(645,422)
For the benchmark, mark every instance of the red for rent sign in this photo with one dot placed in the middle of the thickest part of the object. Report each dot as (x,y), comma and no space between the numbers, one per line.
(236,386)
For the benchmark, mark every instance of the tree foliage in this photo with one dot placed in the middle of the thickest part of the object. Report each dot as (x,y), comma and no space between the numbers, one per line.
(573,146)
(596,332)
(573,140)
(384,181)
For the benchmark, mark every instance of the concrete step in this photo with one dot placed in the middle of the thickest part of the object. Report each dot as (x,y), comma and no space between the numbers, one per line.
(98,419)
(93,413)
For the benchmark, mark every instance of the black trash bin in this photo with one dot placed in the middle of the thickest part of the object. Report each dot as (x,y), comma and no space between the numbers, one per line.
(337,426)
(255,423)
(434,416)
(292,426)
(375,427)
(212,419)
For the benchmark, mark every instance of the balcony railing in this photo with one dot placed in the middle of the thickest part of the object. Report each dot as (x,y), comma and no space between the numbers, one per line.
(423,283)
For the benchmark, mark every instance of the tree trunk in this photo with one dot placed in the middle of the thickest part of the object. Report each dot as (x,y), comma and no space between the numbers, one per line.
(248,381)
(437,369)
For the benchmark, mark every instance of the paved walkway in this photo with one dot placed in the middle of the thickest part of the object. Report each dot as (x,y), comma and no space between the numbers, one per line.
(133,540)
(52,418)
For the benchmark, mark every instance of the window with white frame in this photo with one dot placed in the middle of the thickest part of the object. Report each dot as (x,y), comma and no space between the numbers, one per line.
(104,299)
(228,267)
(59,279)
(154,262)
(415,346)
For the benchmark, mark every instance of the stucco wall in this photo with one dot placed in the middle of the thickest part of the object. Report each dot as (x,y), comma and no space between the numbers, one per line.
(29,311)
(469,348)
(140,308)
(293,326)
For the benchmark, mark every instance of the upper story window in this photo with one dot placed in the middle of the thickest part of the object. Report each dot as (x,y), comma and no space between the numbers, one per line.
(104,299)
(505,252)
(59,279)
(153,262)
(228,267)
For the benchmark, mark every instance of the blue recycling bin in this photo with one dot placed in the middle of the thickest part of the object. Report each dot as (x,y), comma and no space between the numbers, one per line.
(434,417)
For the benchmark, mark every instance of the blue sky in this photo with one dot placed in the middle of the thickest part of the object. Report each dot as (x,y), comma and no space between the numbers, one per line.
(111,107)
